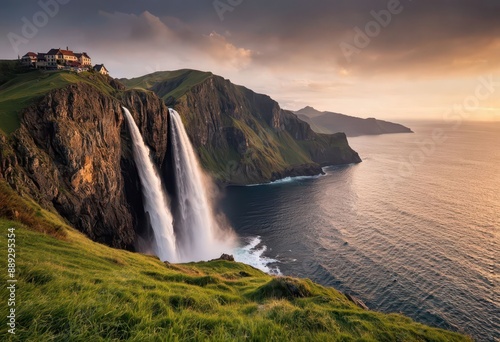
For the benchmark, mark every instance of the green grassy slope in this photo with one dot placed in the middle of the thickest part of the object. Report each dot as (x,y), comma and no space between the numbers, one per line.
(21,89)
(70,288)
(181,81)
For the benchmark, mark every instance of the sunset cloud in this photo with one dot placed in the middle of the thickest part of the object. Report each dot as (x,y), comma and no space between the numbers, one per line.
(164,38)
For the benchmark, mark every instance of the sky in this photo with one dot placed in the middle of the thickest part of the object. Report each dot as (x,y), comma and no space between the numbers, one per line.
(390,59)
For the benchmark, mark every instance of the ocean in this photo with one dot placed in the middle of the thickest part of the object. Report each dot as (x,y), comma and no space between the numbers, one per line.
(413,229)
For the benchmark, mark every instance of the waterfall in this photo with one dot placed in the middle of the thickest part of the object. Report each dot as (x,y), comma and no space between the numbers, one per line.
(155,200)
(199,234)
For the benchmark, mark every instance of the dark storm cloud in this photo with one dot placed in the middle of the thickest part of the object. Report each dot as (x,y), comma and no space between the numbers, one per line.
(449,36)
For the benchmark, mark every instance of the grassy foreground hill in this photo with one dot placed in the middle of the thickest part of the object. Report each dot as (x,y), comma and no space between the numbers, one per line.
(72,289)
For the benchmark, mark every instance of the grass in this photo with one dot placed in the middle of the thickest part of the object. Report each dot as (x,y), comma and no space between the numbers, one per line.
(28,212)
(268,150)
(72,289)
(23,89)
(168,84)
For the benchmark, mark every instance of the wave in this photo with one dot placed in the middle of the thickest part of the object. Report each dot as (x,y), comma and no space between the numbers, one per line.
(253,255)
(289,180)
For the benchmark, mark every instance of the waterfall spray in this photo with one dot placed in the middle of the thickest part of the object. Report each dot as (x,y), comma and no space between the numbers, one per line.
(155,200)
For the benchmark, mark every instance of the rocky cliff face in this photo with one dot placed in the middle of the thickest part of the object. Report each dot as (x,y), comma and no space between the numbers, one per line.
(243,137)
(72,153)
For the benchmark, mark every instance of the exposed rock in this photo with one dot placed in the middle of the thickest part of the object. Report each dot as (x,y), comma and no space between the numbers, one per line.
(224,257)
(116,84)
(357,301)
(150,115)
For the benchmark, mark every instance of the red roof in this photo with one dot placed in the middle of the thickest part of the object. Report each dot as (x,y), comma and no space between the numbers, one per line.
(67,53)
(73,64)
(31,54)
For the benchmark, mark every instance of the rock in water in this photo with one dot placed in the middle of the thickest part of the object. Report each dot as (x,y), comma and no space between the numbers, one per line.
(226,257)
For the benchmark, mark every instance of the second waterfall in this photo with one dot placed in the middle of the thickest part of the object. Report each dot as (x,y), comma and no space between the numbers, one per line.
(200,236)
(197,233)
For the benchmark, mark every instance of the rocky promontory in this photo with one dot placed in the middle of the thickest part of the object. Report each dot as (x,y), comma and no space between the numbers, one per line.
(241,136)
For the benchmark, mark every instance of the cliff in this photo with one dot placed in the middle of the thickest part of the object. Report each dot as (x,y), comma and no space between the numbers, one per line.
(329,122)
(71,153)
(243,137)
(65,143)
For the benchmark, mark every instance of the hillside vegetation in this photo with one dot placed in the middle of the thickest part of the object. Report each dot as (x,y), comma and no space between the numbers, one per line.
(72,289)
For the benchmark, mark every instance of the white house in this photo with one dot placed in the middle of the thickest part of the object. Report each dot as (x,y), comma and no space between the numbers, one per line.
(84,59)
(100,68)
